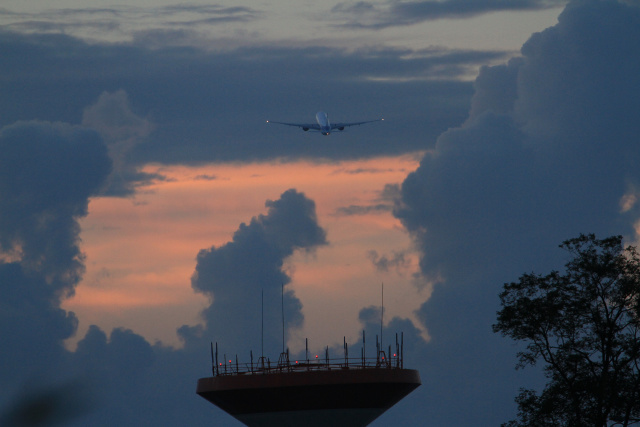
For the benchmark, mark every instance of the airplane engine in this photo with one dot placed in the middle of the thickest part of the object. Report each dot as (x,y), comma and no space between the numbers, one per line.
(305,129)
(341,128)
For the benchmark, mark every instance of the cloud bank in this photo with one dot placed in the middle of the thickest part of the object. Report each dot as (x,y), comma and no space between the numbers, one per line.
(190,105)
(48,171)
(549,151)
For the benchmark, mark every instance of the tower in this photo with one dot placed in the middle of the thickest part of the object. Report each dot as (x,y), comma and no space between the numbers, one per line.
(323,391)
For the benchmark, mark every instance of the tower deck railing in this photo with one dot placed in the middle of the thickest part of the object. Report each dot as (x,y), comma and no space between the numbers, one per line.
(263,365)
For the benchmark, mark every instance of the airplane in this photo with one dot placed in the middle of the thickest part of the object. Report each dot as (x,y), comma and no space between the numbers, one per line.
(323,125)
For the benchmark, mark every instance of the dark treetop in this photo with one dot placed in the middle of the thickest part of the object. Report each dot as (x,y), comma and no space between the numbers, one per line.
(583,324)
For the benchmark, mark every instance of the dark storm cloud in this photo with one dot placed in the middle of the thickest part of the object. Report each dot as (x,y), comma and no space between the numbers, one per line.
(549,151)
(212,106)
(374,15)
(123,352)
(48,171)
(235,274)
(495,89)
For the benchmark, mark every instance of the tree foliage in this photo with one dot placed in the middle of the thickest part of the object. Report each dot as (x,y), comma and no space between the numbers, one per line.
(584,326)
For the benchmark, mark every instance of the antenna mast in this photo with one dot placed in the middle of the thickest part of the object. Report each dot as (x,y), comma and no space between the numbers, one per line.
(382,315)
(262,325)
(282,305)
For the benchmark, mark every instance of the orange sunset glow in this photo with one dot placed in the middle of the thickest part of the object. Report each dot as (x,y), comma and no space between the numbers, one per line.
(141,252)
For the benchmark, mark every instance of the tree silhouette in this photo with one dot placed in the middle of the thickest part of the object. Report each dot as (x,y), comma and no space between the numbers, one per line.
(584,325)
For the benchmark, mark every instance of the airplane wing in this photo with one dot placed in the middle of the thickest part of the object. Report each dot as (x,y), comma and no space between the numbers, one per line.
(341,126)
(304,126)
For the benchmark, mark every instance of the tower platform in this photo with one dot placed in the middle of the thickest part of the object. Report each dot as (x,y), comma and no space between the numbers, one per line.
(341,393)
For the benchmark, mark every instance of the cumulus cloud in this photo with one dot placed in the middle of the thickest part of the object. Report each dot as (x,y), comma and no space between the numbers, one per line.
(548,152)
(112,379)
(112,116)
(48,171)
(121,129)
(116,359)
(236,274)
(549,141)
(495,89)
(129,379)
(383,263)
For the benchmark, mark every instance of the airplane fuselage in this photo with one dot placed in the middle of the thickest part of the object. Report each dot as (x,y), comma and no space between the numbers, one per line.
(323,121)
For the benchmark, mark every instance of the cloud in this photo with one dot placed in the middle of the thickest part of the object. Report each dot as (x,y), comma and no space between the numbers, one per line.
(122,130)
(111,115)
(378,15)
(362,210)
(548,151)
(496,89)
(383,263)
(121,378)
(389,195)
(125,19)
(124,352)
(195,118)
(205,177)
(129,380)
(51,405)
(236,274)
(48,172)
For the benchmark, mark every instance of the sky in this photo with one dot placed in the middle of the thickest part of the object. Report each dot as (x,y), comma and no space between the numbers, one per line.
(146,205)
